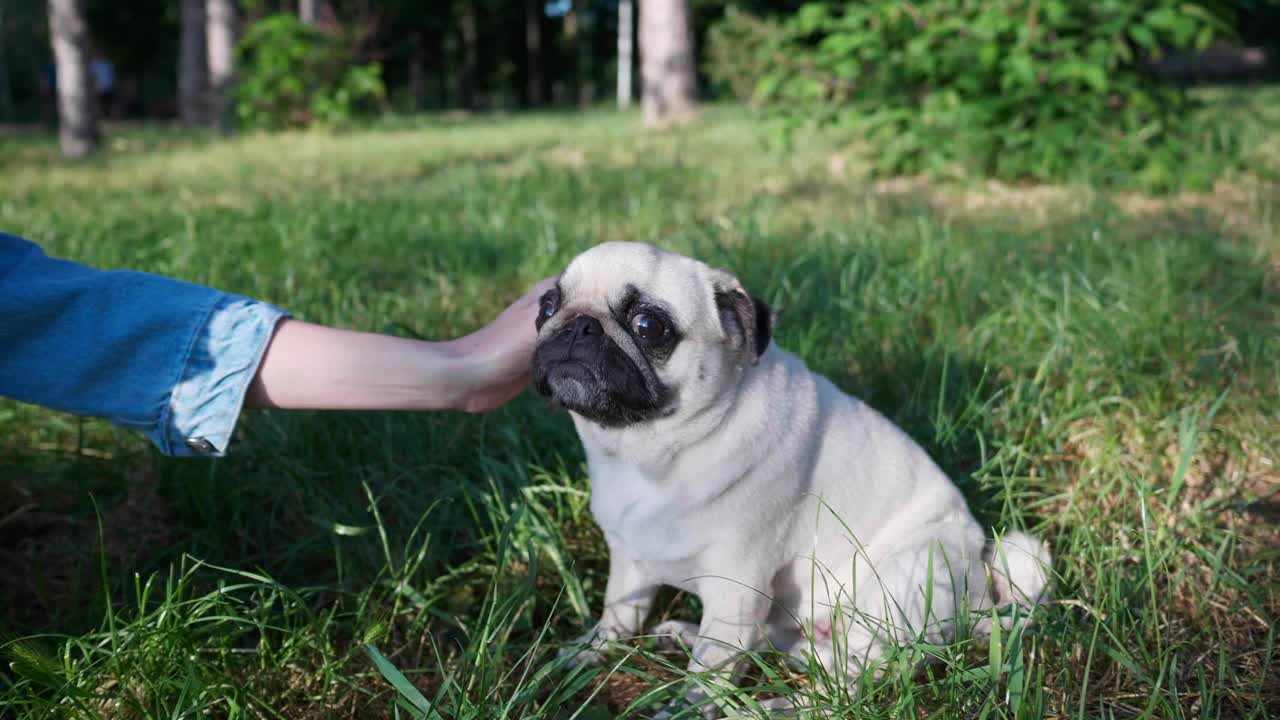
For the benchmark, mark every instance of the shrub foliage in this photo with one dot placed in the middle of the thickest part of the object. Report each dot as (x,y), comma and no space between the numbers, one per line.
(295,75)
(1017,89)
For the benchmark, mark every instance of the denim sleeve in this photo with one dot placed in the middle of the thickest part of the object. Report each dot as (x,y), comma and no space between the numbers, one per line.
(166,357)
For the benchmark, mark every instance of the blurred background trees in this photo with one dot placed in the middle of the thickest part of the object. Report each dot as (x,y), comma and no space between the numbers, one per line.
(666,51)
(74,91)
(1032,85)
(193,64)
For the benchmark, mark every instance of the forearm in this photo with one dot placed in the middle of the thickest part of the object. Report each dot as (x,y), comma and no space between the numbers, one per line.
(150,353)
(178,361)
(309,366)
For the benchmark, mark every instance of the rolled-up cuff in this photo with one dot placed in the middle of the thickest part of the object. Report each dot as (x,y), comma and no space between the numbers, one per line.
(221,364)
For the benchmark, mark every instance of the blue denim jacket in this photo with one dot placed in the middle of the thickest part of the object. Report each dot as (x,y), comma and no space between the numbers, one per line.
(146,352)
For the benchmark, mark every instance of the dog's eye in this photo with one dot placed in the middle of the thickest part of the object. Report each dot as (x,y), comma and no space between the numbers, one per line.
(648,327)
(549,305)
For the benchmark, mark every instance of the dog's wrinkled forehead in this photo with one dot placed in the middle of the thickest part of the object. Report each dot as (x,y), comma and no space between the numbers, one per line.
(605,274)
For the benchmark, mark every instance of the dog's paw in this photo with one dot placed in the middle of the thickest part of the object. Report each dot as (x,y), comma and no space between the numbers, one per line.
(588,649)
(574,657)
(772,709)
(685,711)
(675,635)
(695,703)
(779,707)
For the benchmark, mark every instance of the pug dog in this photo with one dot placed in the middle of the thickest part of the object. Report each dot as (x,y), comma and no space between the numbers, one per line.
(802,518)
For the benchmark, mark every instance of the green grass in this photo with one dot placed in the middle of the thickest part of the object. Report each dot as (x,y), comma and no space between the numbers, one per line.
(1102,369)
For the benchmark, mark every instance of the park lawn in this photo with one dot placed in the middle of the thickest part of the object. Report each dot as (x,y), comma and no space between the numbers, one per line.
(1100,368)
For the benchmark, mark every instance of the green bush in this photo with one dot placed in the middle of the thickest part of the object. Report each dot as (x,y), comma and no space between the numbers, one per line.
(294,75)
(1019,90)
(741,50)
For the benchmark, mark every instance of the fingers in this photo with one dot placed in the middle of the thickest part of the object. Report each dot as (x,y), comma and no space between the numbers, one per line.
(495,397)
(542,286)
(497,356)
(535,291)
(533,295)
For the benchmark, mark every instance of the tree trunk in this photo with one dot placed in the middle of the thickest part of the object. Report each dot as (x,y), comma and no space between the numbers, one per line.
(417,71)
(533,48)
(309,11)
(6,90)
(666,62)
(572,39)
(625,31)
(220,37)
(193,65)
(470,56)
(77,122)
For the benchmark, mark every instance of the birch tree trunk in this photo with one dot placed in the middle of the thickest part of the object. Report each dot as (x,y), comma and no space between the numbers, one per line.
(666,59)
(77,120)
(309,11)
(220,37)
(193,65)
(626,29)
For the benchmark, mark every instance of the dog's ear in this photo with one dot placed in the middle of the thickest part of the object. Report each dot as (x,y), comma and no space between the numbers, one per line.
(746,319)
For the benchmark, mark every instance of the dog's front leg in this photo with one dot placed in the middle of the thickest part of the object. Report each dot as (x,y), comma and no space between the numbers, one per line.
(628,597)
(733,617)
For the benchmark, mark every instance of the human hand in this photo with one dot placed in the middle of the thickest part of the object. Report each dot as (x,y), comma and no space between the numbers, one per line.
(494,360)
(316,367)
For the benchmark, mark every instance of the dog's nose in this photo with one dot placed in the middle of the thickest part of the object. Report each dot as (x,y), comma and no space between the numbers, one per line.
(585,325)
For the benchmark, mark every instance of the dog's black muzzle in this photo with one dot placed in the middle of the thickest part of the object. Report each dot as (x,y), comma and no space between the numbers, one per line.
(582,369)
